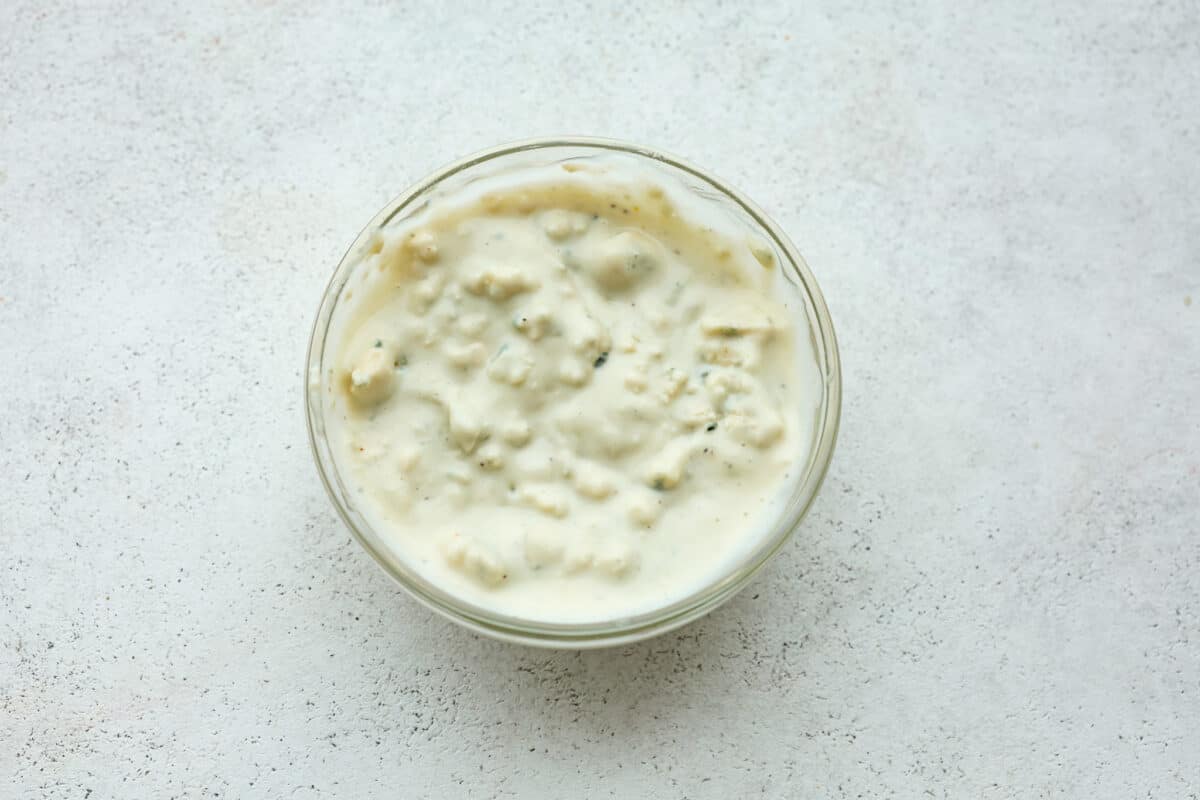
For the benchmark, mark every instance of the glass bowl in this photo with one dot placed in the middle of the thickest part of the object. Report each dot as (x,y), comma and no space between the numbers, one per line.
(539,152)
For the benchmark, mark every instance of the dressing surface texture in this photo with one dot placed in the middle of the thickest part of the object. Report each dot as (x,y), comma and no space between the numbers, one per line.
(561,397)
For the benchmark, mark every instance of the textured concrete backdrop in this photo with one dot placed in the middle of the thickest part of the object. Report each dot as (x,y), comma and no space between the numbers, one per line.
(996,595)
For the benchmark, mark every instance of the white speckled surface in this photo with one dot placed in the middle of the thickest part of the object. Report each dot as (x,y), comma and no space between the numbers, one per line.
(995,596)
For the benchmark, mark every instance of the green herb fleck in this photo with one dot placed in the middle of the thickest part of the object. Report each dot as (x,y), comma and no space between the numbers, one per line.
(712,427)
(675,293)
(600,359)
(379,342)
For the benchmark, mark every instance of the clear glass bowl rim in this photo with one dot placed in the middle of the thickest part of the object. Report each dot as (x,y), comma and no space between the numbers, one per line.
(620,631)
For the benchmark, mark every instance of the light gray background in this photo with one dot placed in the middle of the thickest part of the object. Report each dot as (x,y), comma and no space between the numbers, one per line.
(996,594)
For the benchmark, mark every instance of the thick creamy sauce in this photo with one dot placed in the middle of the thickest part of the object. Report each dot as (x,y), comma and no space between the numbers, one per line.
(567,395)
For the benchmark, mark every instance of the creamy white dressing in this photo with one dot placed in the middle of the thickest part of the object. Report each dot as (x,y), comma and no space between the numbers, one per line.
(570,394)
